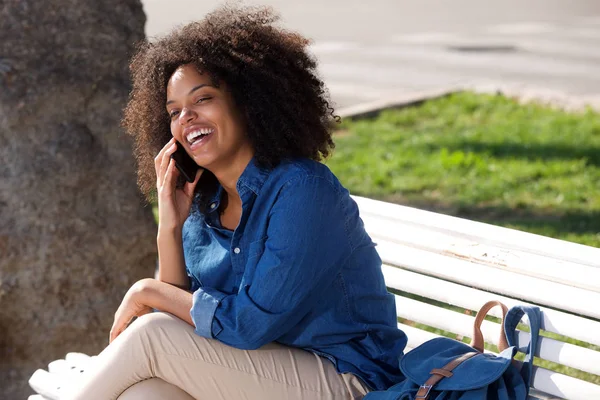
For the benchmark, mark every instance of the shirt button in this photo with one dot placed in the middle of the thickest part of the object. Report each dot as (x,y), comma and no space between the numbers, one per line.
(213,205)
(236,250)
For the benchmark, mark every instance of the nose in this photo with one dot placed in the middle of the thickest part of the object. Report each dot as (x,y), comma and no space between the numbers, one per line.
(186,116)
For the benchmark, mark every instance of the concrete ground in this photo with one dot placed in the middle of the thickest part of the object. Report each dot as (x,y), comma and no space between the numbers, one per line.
(368,50)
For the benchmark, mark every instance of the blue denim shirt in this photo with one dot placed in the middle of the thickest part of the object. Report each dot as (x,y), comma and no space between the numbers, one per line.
(299,269)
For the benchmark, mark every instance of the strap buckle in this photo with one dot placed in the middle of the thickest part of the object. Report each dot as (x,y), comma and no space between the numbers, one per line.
(424,388)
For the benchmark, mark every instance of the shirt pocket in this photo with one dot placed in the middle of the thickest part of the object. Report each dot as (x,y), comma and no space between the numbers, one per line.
(256,248)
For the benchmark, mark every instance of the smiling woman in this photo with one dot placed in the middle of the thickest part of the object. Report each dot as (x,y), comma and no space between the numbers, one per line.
(206,121)
(263,71)
(268,285)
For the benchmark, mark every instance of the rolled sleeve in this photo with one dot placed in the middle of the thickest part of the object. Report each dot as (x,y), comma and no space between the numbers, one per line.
(204,305)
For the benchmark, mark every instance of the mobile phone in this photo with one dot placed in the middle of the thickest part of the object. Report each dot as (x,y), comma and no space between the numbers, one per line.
(184,163)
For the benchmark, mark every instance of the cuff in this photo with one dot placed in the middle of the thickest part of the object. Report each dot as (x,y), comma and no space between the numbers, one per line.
(194,284)
(204,305)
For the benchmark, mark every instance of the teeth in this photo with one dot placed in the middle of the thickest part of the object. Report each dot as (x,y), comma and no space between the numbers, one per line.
(199,132)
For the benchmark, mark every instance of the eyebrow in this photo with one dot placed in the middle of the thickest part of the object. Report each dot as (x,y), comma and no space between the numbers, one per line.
(190,92)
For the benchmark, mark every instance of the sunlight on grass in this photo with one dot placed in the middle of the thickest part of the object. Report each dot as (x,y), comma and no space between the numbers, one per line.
(481,157)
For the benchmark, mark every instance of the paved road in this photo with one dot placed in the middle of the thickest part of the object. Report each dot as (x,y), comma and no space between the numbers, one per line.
(375,49)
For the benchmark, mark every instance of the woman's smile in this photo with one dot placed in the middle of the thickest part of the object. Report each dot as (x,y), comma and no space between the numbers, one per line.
(197,135)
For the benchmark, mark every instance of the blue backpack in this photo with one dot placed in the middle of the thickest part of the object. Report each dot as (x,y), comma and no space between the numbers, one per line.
(446,369)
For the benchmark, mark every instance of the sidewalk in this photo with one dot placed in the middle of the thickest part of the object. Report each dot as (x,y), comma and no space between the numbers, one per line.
(384,49)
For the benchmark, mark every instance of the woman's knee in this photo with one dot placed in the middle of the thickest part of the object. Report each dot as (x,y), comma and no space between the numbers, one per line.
(154,389)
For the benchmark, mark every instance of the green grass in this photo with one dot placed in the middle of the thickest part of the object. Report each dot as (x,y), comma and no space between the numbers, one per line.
(481,157)
(485,158)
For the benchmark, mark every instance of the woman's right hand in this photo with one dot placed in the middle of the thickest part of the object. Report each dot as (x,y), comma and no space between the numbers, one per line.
(173,204)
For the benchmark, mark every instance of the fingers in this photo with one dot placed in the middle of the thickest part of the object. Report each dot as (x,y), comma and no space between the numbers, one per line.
(170,175)
(164,164)
(123,316)
(118,327)
(113,334)
(158,157)
(161,161)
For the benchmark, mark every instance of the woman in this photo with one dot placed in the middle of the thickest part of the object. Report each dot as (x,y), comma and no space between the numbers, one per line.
(268,285)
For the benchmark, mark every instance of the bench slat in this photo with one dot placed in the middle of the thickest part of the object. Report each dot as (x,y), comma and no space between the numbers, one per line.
(445,319)
(534,394)
(573,274)
(415,336)
(564,386)
(482,233)
(491,279)
(567,354)
(47,384)
(472,299)
(549,349)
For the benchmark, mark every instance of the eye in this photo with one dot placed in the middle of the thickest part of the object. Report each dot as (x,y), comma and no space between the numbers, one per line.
(173,114)
(202,99)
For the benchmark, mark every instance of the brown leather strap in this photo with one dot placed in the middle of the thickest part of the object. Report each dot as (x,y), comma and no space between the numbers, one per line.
(477,342)
(437,374)
(440,371)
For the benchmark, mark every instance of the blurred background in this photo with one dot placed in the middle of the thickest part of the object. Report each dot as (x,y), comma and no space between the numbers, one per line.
(489,159)
(380,48)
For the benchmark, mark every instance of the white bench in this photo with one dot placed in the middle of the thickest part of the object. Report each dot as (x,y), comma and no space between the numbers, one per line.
(449,261)
(434,261)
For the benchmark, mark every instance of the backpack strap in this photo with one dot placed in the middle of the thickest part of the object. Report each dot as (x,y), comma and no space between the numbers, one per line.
(477,342)
(512,336)
(437,374)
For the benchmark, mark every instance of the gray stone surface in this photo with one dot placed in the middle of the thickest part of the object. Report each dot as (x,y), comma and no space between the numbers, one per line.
(74,234)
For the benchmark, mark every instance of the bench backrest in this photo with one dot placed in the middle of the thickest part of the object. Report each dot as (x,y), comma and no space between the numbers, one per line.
(443,268)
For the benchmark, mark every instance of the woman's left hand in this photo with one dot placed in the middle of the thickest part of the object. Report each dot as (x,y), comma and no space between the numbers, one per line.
(131,306)
(149,294)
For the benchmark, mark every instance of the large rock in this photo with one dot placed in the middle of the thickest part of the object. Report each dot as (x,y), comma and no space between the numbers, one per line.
(74,234)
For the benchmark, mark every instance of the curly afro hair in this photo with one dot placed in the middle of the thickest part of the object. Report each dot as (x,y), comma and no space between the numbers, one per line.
(271,76)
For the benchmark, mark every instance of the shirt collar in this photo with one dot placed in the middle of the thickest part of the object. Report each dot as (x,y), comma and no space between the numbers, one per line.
(252,178)
(214,202)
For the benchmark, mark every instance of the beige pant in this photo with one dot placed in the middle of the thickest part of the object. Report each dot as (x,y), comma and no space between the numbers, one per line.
(160,357)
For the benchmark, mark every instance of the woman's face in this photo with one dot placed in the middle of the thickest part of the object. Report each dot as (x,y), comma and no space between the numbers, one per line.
(205,120)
